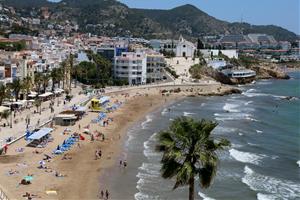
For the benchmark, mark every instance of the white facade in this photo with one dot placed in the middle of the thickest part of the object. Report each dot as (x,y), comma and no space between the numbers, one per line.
(131,66)
(185,48)
(230,53)
(155,65)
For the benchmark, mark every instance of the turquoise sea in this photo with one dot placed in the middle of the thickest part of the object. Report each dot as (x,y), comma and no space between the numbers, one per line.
(263,162)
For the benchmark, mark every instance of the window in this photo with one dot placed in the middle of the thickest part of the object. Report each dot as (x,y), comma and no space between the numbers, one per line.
(184,46)
(138,55)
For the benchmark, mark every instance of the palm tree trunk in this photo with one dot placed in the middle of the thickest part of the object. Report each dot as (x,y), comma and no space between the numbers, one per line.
(191,188)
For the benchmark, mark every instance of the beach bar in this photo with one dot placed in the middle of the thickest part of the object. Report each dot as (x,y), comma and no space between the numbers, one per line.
(65,119)
(36,138)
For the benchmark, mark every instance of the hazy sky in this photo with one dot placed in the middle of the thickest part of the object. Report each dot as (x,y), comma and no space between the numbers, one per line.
(284,13)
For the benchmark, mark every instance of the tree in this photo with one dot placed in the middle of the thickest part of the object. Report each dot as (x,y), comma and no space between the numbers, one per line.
(4,93)
(27,84)
(45,80)
(188,151)
(5,115)
(200,44)
(16,87)
(38,104)
(54,77)
(71,70)
(38,80)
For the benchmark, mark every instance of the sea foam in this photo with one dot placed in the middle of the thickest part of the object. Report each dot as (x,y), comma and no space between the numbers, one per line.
(148,120)
(204,197)
(274,187)
(246,157)
(188,114)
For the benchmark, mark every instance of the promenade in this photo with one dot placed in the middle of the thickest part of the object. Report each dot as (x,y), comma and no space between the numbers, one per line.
(18,129)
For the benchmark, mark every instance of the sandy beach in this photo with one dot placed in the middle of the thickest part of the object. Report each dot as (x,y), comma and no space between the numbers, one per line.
(82,171)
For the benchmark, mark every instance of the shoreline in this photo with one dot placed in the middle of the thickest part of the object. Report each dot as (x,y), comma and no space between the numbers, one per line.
(83,172)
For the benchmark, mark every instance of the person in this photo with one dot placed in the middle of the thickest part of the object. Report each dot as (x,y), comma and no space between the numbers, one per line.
(5,148)
(79,126)
(92,137)
(125,163)
(106,194)
(57,174)
(121,162)
(42,164)
(102,194)
(96,155)
(99,153)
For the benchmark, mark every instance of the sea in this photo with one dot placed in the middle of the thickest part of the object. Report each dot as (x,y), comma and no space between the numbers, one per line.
(263,162)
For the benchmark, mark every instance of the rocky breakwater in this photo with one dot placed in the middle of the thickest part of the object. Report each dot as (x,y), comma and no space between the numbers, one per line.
(269,70)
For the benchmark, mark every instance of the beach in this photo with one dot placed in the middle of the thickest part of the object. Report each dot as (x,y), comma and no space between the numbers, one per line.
(82,172)
(261,123)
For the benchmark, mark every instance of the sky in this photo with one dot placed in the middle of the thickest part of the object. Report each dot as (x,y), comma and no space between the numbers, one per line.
(284,13)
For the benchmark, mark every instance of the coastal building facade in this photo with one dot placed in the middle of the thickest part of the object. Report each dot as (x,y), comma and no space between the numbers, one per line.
(155,67)
(131,66)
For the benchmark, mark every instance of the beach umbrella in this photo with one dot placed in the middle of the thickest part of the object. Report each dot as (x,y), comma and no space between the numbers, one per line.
(28,178)
(86,131)
(27,134)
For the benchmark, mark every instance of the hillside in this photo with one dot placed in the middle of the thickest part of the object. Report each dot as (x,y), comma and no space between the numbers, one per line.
(112,18)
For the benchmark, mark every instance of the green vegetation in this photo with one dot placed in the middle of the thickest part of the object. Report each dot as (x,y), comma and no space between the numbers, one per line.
(168,54)
(4,93)
(196,71)
(16,29)
(189,150)
(12,46)
(186,20)
(172,72)
(98,72)
(5,115)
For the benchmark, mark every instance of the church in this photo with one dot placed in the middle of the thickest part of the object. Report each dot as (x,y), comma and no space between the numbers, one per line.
(184,48)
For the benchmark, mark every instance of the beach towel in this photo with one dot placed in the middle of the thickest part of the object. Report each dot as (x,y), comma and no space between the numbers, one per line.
(51,192)
(81,137)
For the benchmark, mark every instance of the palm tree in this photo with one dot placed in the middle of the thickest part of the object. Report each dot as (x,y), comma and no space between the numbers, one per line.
(16,86)
(38,104)
(64,70)
(4,93)
(57,76)
(5,115)
(38,80)
(27,83)
(45,80)
(188,151)
(71,70)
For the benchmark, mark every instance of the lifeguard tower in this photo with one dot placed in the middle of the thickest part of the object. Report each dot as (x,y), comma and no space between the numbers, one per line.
(98,105)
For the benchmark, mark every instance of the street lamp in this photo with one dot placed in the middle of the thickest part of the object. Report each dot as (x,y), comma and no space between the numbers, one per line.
(11,113)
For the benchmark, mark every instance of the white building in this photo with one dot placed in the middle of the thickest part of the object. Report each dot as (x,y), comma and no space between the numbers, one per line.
(230,53)
(131,66)
(155,67)
(185,48)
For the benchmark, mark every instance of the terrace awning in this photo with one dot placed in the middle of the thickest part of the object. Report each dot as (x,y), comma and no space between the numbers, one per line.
(47,94)
(80,109)
(3,109)
(104,100)
(40,133)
